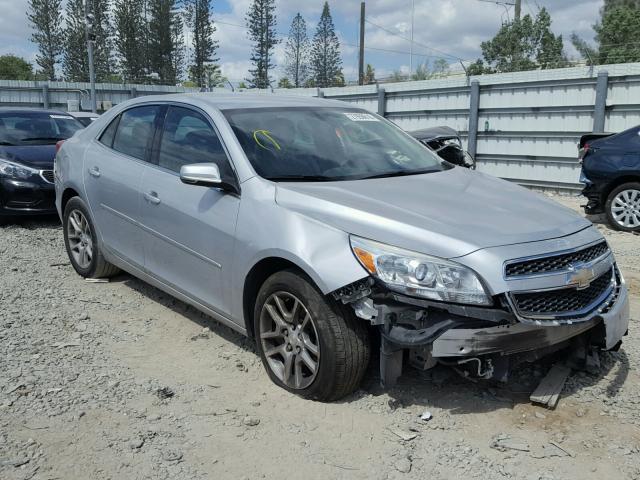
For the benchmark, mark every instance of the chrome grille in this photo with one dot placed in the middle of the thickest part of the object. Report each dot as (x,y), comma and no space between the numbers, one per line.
(47,175)
(555,263)
(565,301)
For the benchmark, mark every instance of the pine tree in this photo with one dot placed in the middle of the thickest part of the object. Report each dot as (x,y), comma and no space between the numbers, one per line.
(326,62)
(204,46)
(75,61)
(46,20)
(177,39)
(261,22)
(297,53)
(165,38)
(130,41)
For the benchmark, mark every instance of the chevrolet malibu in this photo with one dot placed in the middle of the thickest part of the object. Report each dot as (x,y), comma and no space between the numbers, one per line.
(316,227)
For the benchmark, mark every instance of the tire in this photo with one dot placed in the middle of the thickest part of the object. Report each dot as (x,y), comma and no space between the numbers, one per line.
(340,339)
(624,202)
(89,266)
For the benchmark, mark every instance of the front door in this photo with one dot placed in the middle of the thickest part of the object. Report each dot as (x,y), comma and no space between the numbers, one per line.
(113,174)
(189,230)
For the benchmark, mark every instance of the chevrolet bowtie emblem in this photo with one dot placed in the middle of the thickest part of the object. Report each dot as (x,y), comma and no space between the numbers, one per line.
(580,276)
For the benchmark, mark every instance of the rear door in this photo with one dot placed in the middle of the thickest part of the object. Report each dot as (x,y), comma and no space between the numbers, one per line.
(189,230)
(113,173)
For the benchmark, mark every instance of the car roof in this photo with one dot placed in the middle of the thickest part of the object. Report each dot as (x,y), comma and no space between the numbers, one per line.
(228,101)
(84,114)
(31,110)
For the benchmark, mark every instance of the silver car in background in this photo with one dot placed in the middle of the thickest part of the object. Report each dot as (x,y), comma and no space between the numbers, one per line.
(308,224)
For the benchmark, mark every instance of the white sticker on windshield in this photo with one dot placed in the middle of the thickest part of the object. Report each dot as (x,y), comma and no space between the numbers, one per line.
(65,117)
(361,117)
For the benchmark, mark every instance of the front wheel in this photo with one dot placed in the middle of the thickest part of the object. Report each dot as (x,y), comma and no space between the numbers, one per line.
(309,344)
(623,207)
(82,244)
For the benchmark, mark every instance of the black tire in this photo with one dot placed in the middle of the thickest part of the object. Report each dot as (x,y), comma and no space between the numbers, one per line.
(343,339)
(609,205)
(98,267)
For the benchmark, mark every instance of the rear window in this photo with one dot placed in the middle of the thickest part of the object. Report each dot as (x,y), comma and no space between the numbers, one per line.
(36,128)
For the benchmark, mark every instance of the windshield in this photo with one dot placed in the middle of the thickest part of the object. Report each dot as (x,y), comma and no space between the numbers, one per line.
(327,144)
(36,128)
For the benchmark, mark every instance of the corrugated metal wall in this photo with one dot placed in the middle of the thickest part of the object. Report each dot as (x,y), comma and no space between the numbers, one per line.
(57,94)
(528,122)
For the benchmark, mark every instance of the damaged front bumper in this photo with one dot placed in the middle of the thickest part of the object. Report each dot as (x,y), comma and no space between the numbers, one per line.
(433,332)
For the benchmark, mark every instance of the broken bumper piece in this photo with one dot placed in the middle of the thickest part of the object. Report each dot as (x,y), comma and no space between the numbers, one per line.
(520,337)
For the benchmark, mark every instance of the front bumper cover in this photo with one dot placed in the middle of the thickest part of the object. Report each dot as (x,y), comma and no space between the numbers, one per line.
(466,333)
(26,197)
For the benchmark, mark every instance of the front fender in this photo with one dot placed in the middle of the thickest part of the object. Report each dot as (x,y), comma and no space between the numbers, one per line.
(267,230)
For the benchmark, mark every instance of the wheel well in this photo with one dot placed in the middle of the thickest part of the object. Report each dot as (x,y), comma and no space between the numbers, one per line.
(67,195)
(617,182)
(254,280)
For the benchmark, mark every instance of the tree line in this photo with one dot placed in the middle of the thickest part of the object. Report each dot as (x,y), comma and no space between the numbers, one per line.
(143,41)
(528,43)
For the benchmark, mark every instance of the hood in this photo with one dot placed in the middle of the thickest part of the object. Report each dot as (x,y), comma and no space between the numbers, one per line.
(447,214)
(427,134)
(35,156)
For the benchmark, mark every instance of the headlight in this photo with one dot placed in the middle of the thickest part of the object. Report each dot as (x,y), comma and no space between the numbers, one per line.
(15,170)
(420,275)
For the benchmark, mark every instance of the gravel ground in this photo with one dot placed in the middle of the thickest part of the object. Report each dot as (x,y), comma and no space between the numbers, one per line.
(119,381)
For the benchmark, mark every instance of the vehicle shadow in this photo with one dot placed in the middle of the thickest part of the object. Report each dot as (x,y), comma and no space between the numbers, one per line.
(444,388)
(35,222)
(187,311)
(441,387)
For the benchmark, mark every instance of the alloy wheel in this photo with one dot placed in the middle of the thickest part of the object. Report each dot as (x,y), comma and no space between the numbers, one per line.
(289,340)
(625,208)
(80,239)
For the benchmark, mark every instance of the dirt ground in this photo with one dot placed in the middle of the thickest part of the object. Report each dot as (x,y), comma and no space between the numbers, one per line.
(119,381)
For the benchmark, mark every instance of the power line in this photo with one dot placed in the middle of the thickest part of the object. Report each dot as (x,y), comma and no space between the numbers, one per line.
(385,50)
(409,40)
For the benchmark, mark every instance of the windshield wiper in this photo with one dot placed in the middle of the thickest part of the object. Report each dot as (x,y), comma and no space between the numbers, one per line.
(7,144)
(29,139)
(400,173)
(302,178)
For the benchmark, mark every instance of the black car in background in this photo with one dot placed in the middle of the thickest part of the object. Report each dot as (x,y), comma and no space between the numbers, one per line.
(611,175)
(28,140)
(445,142)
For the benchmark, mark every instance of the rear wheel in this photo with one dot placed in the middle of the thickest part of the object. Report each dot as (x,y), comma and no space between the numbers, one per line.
(82,243)
(623,207)
(309,344)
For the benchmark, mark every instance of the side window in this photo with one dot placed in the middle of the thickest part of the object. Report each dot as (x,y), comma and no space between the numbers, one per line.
(107,136)
(189,138)
(134,131)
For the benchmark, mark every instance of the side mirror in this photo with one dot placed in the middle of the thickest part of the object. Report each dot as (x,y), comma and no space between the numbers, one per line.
(205,175)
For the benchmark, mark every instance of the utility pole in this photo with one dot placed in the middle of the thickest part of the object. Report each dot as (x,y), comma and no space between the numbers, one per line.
(361,56)
(518,9)
(90,37)
(413,8)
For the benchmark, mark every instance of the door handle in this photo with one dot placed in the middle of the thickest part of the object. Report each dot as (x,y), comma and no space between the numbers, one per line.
(94,172)
(152,197)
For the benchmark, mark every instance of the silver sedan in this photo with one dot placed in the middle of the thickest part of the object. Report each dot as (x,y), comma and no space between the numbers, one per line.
(309,224)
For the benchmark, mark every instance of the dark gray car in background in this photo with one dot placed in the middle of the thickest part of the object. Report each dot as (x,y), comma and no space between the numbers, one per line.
(307,224)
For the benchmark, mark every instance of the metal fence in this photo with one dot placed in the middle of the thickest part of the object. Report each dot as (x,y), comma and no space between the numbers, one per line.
(62,95)
(520,126)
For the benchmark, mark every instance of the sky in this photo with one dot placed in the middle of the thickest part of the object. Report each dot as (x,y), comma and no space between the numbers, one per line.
(449,29)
